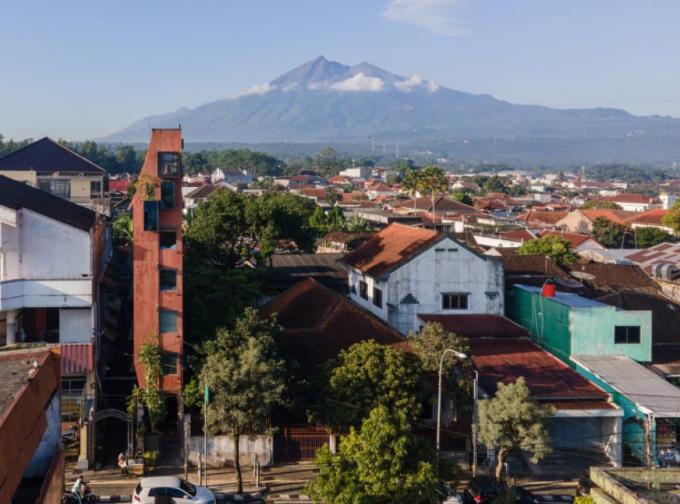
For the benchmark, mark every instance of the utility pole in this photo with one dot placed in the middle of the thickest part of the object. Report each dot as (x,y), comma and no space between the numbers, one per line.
(475,389)
(460,355)
(205,432)
(187,436)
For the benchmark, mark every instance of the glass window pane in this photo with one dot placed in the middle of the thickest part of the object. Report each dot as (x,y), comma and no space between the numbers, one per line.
(168,239)
(168,279)
(168,321)
(167,195)
(168,164)
(150,216)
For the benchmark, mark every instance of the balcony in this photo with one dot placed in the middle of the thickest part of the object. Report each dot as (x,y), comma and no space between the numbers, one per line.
(39,293)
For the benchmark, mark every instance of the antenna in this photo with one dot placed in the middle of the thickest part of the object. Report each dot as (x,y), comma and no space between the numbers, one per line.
(397,150)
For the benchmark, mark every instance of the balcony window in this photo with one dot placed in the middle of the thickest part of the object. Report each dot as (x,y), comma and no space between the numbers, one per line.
(150,216)
(169,363)
(167,195)
(454,301)
(168,321)
(627,335)
(168,239)
(363,289)
(168,279)
(168,164)
(61,188)
(377,297)
(96,188)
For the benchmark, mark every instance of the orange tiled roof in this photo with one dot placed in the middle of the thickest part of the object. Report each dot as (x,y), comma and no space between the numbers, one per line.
(652,217)
(390,248)
(575,239)
(619,216)
(546,217)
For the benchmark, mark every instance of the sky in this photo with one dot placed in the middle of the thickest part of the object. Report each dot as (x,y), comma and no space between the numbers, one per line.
(81,69)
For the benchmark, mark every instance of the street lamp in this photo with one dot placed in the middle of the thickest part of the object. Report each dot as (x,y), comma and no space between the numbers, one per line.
(460,355)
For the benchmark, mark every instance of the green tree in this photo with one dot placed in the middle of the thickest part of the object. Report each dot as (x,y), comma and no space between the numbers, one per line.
(383,463)
(363,377)
(336,219)
(412,184)
(611,234)
(434,183)
(600,205)
(512,421)
(326,161)
(463,198)
(121,229)
(649,236)
(127,159)
(332,196)
(495,184)
(150,356)
(319,221)
(247,379)
(392,179)
(672,218)
(553,246)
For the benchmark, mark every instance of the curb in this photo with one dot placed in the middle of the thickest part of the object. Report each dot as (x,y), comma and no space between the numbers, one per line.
(114,498)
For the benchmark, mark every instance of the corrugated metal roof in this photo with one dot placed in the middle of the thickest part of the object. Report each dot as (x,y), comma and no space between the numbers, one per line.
(642,386)
(573,300)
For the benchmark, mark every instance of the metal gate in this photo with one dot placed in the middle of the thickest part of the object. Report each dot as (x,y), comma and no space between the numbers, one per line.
(294,444)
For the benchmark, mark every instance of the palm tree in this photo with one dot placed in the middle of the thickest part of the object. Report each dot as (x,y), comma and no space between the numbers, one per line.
(433,181)
(412,184)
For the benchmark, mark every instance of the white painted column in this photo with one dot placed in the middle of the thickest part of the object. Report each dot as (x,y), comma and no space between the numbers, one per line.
(11,327)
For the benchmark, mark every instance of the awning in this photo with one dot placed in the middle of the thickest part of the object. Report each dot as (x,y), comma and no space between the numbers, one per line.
(76,358)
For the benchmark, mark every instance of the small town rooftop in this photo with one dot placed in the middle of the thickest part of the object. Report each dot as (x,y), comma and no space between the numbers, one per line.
(567,299)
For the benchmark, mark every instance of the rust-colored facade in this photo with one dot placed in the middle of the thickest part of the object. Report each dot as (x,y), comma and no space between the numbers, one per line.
(157,256)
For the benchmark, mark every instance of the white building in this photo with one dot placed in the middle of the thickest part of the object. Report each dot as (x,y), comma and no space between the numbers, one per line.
(363,172)
(232,176)
(405,272)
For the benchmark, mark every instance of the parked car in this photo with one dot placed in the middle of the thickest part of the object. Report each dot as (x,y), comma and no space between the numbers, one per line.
(180,491)
(484,489)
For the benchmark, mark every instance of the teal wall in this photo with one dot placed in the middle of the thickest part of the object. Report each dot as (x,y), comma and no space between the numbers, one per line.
(564,330)
(551,330)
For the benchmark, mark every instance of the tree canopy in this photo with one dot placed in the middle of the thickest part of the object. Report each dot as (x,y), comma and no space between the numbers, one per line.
(363,377)
(247,378)
(512,421)
(611,234)
(646,237)
(600,205)
(382,463)
(553,246)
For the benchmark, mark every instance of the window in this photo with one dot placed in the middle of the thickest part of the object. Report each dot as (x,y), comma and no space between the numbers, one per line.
(363,289)
(177,493)
(150,216)
(168,321)
(377,297)
(170,363)
(454,301)
(95,187)
(168,164)
(168,239)
(61,188)
(627,335)
(167,195)
(427,408)
(168,279)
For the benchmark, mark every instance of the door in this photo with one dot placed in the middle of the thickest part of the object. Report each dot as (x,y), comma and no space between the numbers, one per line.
(179,496)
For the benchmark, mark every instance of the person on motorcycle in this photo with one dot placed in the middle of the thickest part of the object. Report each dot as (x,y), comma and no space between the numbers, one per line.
(79,486)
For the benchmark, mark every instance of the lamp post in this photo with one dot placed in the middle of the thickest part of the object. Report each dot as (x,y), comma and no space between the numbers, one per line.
(460,355)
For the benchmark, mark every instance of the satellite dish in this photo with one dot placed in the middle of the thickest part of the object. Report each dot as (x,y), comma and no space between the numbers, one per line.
(568,282)
(582,275)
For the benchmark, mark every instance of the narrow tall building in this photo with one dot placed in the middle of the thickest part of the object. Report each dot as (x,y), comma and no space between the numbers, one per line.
(157,258)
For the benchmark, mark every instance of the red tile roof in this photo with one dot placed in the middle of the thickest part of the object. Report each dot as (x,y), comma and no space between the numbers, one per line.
(551,217)
(390,248)
(627,198)
(548,378)
(521,236)
(319,324)
(118,185)
(478,325)
(652,217)
(619,216)
(575,239)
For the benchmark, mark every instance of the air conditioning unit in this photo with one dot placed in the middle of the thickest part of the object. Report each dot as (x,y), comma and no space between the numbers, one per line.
(667,272)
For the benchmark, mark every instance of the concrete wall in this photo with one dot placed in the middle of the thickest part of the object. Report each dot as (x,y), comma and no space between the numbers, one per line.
(22,176)
(447,267)
(221,450)
(75,325)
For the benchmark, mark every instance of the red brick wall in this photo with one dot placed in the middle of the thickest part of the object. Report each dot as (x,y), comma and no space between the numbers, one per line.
(25,421)
(53,487)
(148,259)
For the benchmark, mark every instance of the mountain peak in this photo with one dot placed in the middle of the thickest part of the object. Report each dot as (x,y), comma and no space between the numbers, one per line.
(314,72)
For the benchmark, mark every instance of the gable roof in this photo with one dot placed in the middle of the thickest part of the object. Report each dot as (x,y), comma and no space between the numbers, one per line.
(441,204)
(618,216)
(17,195)
(390,248)
(47,156)
(575,239)
(651,217)
(319,324)
(627,198)
(551,217)
(289,269)
(505,360)
(205,191)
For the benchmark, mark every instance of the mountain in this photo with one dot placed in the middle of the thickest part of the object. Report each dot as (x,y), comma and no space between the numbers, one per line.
(325,101)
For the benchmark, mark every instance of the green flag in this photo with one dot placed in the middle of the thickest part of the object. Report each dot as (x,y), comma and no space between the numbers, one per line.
(207,394)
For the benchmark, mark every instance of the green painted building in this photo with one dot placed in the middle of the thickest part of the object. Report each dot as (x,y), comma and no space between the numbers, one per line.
(568,324)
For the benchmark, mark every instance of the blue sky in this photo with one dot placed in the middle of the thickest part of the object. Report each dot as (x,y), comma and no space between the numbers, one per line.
(84,68)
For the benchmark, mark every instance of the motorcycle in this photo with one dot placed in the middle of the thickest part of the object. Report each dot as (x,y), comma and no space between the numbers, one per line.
(71,498)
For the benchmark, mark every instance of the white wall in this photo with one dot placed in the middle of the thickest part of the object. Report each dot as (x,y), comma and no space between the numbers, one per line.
(75,325)
(447,267)
(221,449)
(491,241)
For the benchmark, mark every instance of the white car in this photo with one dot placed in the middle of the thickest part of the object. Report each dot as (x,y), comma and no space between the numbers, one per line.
(181,492)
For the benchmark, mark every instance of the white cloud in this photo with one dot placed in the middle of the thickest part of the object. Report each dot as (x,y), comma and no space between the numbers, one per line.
(416,82)
(359,83)
(289,87)
(438,16)
(260,90)
(410,84)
